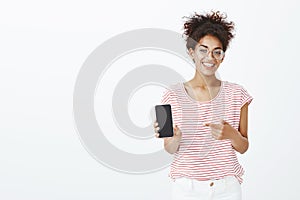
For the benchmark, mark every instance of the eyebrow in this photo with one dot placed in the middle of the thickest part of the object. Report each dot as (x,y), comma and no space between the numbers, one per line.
(208,48)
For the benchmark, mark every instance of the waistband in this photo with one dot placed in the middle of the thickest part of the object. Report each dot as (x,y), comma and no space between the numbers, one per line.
(207,183)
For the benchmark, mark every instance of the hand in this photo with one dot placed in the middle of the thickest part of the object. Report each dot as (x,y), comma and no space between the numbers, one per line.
(177,132)
(222,131)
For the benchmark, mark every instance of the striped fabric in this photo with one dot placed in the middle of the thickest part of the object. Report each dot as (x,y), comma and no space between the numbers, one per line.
(200,156)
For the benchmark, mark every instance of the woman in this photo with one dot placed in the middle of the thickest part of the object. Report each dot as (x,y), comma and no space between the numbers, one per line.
(210,117)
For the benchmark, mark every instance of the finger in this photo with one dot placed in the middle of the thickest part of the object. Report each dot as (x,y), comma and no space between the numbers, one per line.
(176,130)
(157,135)
(215,129)
(215,126)
(156,129)
(215,134)
(223,122)
(206,124)
(155,124)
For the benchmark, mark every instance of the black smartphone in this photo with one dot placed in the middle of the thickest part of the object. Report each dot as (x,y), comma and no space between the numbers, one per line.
(164,120)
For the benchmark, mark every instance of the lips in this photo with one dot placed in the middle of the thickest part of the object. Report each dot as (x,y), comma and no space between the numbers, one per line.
(209,65)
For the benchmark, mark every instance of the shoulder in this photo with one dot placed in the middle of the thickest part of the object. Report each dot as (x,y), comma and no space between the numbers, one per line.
(174,88)
(237,92)
(233,87)
(172,93)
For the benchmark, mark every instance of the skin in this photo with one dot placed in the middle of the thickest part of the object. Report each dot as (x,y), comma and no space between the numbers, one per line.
(204,86)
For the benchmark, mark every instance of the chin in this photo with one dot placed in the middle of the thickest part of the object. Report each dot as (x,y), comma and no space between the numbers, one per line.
(207,73)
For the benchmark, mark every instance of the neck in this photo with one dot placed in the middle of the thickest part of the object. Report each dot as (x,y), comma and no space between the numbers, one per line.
(205,81)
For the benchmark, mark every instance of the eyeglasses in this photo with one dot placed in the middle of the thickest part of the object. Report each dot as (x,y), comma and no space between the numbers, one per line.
(216,53)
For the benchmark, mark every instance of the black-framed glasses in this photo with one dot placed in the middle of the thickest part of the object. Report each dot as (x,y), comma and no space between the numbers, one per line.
(216,53)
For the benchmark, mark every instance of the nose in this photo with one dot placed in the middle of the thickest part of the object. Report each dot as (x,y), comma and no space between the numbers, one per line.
(210,55)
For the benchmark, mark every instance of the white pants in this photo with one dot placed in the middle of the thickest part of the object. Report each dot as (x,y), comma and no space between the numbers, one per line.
(189,189)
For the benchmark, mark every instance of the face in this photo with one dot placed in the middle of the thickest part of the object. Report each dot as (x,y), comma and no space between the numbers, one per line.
(208,55)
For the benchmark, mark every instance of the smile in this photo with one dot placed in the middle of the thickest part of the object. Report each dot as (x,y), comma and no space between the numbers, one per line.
(208,64)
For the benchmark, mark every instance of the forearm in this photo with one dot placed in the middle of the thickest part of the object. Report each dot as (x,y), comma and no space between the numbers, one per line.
(171,145)
(239,142)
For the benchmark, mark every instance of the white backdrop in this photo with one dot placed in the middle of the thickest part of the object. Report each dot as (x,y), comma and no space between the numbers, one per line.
(43,46)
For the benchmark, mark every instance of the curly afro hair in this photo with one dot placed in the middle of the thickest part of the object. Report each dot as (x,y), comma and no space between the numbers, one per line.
(214,23)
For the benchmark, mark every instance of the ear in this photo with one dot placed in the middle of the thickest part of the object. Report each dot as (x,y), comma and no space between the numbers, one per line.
(191,53)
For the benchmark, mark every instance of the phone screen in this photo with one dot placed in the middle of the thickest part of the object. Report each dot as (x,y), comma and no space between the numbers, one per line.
(164,119)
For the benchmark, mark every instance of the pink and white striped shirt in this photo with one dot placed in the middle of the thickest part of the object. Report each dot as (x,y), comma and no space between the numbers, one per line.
(200,156)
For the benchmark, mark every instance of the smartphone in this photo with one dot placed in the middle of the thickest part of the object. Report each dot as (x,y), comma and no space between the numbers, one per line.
(164,120)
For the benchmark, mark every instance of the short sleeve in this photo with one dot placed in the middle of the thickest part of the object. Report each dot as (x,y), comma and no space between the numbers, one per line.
(167,97)
(170,96)
(245,97)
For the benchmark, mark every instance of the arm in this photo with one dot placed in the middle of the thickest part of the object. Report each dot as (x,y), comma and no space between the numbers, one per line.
(240,139)
(171,144)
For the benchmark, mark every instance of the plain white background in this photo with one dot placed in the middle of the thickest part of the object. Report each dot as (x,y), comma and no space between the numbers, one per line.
(43,45)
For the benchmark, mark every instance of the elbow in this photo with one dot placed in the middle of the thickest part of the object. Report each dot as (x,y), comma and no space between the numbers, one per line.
(244,149)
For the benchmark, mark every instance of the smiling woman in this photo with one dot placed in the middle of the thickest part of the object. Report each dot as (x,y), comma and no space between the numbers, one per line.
(207,55)
(210,117)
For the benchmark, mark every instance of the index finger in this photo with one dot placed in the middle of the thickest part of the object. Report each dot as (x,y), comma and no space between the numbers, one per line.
(212,125)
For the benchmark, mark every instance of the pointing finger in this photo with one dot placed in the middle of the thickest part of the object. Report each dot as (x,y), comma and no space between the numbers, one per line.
(223,122)
(206,124)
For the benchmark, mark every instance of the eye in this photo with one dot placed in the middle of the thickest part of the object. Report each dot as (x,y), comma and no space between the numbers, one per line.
(203,51)
(218,52)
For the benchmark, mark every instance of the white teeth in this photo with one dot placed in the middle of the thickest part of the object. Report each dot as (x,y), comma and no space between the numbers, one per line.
(208,64)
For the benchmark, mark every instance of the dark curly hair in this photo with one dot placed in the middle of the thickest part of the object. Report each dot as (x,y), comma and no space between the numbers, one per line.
(214,23)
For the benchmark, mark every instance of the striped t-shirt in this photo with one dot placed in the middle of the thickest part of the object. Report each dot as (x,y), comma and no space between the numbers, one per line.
(200,156)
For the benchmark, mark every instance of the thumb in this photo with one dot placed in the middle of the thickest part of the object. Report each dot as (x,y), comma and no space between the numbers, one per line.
(175,127)
(176,130)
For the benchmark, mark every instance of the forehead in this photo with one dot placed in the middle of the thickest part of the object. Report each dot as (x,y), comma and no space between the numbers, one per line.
(210,41)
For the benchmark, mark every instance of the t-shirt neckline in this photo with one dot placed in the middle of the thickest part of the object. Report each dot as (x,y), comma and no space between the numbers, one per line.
(202,102)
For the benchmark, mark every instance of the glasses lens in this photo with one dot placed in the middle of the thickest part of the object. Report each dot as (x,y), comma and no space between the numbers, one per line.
(218,54)
(203,51)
